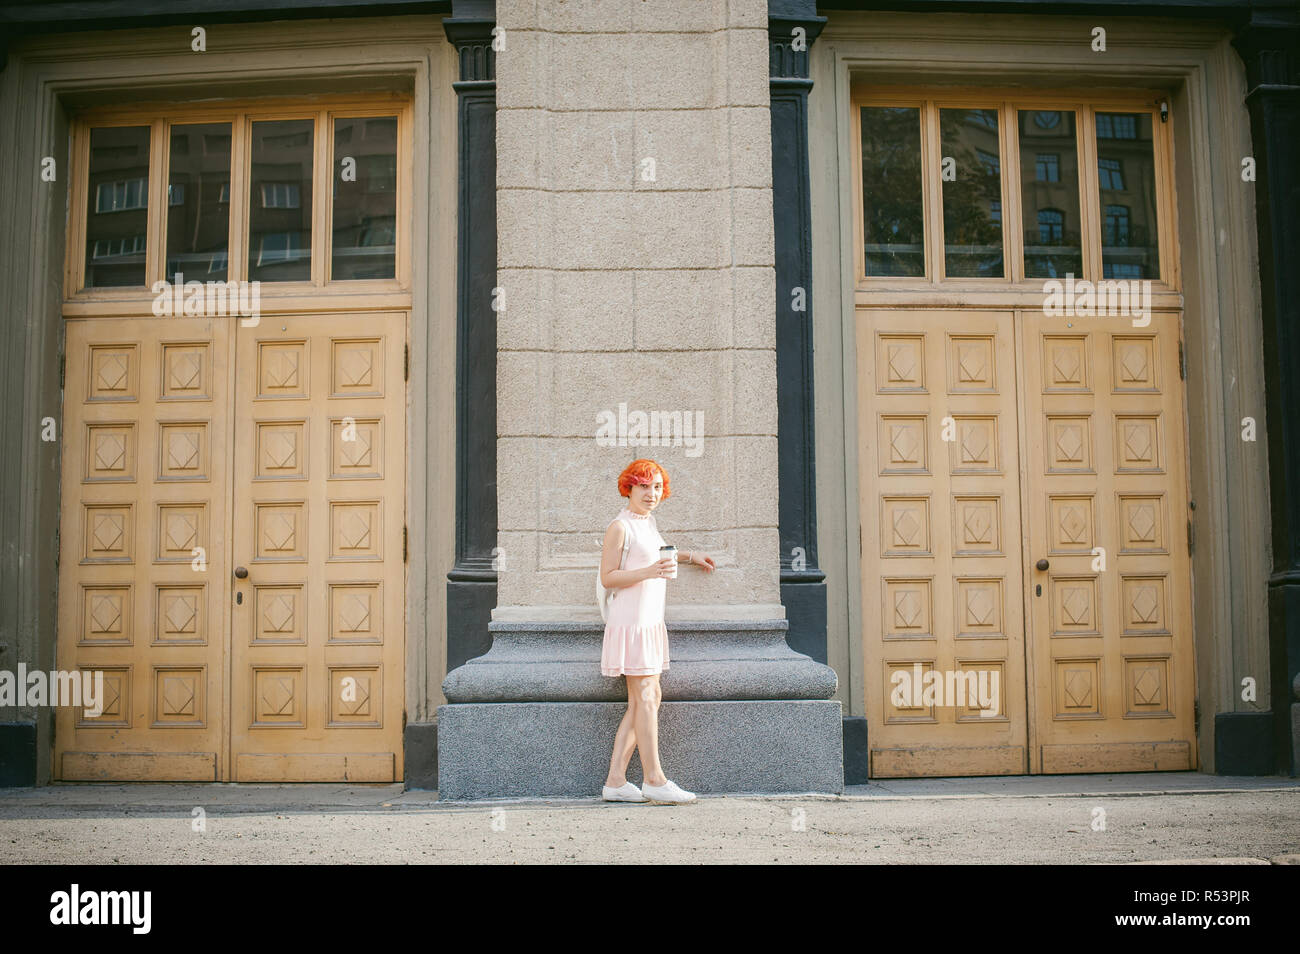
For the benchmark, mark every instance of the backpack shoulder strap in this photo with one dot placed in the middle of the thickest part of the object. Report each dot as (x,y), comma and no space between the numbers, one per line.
(627,541)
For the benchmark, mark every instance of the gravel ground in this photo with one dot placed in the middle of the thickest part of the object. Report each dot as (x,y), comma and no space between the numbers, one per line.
(389,826)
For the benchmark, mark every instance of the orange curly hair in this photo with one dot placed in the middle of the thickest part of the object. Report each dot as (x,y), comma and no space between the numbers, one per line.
(641,471)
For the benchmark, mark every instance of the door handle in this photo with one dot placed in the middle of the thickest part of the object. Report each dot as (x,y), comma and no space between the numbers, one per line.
(1040,565)
(242,574)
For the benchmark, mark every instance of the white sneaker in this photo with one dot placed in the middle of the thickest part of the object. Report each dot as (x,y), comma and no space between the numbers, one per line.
(668,793)
(625,793)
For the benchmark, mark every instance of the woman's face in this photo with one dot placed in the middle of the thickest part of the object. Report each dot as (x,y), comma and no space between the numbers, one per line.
(645,497)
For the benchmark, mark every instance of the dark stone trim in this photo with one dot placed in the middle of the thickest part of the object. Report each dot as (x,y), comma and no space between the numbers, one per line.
(857,753)
(17,754)
(420,750)
(472,581)
(1243,743)
(116,14)
(805,609)
(785,62)
(469,611)
(1152,8)
(1269,45)
(803,589)
(472,37)
(1284,667)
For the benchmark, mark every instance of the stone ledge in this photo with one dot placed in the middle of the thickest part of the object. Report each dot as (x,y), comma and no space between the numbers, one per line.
(560,662)
(539,749)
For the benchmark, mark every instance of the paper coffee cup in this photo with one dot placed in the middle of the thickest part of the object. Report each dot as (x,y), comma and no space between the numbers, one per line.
(667,552)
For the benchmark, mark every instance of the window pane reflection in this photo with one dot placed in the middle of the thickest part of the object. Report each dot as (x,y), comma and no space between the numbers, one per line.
(892,216)
(972,201)
(1049,185)
(365,198)
(1126,174)
(117,219)
(279,216)
(198,202)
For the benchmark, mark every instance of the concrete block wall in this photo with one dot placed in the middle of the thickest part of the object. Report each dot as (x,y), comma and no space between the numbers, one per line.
(635,262)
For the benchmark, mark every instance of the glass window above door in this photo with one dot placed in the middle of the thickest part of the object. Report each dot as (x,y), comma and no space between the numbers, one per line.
(117,218)
(1126,177)
(892,213)
(972,193)
(955,188)
(303,195)
(198,202)
(1049,193)
(364,211)
(279,210)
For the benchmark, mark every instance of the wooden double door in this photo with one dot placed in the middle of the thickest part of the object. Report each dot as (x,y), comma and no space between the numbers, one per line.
(232,548)
(1024,512)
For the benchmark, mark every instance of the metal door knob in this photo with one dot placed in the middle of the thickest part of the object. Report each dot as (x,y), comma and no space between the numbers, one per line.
(241,573)
(1040,565)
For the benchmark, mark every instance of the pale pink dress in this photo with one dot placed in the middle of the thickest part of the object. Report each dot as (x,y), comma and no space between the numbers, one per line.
(636,639)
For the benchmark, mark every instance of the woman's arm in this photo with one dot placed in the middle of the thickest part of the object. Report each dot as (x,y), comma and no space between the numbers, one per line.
(702,560)
(611,577)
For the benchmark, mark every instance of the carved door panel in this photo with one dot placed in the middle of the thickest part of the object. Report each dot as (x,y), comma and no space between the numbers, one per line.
(1084,448)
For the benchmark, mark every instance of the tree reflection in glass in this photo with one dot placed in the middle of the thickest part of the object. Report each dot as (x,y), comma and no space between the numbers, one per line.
(972,193)
(893,221)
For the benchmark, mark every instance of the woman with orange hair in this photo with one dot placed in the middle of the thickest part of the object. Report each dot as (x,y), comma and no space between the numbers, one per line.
(636,640)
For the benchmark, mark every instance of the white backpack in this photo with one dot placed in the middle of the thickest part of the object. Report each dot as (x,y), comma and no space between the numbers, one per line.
(604,596)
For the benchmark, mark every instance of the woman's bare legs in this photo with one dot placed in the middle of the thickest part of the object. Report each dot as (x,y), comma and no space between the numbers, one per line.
(624,741)
(646,726)
(639,729)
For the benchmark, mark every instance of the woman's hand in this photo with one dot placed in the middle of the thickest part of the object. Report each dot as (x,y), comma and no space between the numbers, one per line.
(661,570)
(703,561)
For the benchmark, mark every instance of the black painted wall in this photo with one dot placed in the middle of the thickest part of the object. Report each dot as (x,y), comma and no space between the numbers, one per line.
(472,581)
(803,587)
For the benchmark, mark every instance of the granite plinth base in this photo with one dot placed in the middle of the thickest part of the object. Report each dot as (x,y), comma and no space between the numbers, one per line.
(562,749)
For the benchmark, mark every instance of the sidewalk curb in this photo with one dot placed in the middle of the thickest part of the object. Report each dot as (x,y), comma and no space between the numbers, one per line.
(282,801)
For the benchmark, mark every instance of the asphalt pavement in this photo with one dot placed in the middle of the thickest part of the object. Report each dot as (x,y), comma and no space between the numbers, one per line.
(1128,818)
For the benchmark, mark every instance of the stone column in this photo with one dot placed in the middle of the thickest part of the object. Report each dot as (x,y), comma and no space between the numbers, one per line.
(636,277)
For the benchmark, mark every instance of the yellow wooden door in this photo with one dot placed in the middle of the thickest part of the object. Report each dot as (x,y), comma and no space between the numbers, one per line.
(232,548)
(1107,559)
(318,549)
(941,547)
(143,547)
(973,426)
